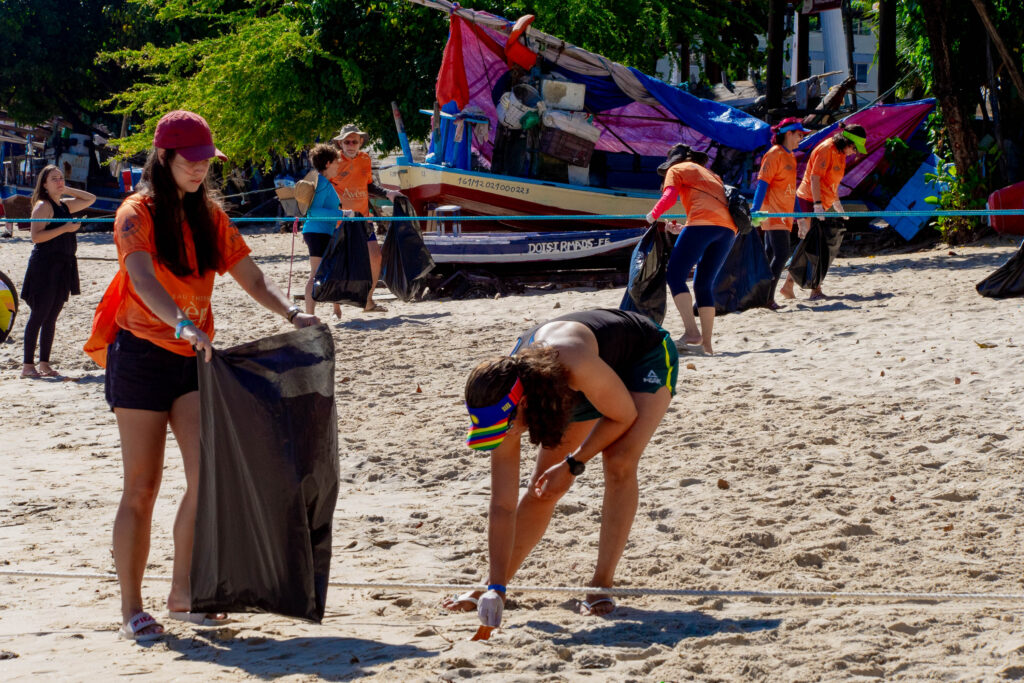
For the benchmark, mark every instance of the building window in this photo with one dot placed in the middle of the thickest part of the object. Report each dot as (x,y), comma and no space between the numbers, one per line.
(861,70)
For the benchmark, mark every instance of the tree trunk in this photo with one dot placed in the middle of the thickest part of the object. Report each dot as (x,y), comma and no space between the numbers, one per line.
(1011,65)
(776,38)
(886,49)
(803,60)
(955,112)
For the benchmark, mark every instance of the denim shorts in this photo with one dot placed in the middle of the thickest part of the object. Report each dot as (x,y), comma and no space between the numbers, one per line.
(143,376)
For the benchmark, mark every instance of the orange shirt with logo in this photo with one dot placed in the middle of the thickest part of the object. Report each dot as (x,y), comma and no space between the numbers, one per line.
(354,175)
(778,169)
(133,231)
(829,164)
(701,193)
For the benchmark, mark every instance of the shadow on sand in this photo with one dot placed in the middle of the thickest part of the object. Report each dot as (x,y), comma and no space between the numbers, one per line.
(630,625)
(322,657)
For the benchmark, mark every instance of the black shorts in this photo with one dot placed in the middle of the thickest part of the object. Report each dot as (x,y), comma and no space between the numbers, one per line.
(144,376)
(317,243)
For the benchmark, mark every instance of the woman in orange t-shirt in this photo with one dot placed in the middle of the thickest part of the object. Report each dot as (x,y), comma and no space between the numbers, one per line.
(776,193)
(704,241)
(819,189)
(171,238)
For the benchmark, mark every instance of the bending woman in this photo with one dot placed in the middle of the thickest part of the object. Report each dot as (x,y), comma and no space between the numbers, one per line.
(52,272)
(587,383)
(776,193)
(171,239)
(819,189)
(317,234)
(704,242)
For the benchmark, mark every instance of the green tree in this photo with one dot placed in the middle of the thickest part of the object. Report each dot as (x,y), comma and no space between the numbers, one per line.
(48,56)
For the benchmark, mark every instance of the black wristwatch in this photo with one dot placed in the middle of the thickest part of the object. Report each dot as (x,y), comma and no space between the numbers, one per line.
(576,468)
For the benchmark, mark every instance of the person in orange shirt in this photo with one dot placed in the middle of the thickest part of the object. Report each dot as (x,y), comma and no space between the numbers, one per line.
(776,193)
(171,239)
(819,189)
(704,241)
(354,184)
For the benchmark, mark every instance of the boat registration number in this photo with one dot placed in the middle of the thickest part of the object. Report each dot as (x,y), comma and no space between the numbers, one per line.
(568,245)
(484,184)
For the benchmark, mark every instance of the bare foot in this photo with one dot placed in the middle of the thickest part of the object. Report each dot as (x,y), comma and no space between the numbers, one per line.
(337,311)
(787,292)
(462,603)
(597,605)
(708,351)
(691,339)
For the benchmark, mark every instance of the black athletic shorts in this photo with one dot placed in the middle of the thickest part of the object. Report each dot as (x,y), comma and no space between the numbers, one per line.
(144,376)
(317,243)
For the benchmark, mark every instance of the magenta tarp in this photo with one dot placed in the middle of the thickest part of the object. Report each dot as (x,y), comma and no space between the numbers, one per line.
(881,122)
(632,127)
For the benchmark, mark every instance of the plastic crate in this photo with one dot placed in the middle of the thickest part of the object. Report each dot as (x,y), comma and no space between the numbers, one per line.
(566,147)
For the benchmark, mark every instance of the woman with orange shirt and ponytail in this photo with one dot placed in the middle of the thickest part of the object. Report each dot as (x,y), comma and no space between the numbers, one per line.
(819,189)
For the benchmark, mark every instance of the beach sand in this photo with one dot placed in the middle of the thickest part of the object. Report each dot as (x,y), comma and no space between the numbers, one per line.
(869,442)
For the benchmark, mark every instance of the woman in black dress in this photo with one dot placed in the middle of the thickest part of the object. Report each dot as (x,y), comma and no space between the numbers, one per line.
(52,273)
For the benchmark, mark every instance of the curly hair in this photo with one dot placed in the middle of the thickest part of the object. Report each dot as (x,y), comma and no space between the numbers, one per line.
(548,400)
(322,155)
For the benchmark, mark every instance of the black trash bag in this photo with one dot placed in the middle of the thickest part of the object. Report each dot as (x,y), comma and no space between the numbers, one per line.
(1006,282)
(406,259)
(268,477)
(344,275)
(645,292)
(814,254)
(745,280)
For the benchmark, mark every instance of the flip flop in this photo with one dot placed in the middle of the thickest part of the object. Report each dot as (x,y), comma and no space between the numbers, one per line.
(377,308)
(140,622)
(198,618)
(589,606)
(35,374)
(465,597)
(50,373)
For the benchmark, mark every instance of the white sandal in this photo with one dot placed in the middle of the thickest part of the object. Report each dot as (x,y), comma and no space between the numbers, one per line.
(140,622)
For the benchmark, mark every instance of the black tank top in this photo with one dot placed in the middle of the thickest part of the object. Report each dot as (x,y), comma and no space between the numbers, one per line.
(61,245)
(623,337)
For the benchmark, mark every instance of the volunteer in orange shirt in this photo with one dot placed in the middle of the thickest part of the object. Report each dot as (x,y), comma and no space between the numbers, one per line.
(776,193)
(819,189)
(171,239)
(354,185)
(705,240)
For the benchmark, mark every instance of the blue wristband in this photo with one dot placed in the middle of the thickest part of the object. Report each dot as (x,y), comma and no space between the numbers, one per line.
(182,324)
(496,587)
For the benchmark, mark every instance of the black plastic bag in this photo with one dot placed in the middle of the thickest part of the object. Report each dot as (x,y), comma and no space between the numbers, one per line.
(1006,282)
(406,259)
(645,292)
(814,254)
(344,275)
(268,477)
(745,280)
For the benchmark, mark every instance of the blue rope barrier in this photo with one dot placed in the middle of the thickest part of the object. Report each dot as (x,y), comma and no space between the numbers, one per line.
(577,217)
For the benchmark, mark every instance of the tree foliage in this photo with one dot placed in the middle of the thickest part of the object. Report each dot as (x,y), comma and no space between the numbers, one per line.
(48,56)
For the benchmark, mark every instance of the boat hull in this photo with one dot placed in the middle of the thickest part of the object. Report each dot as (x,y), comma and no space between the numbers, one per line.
(483,194)
(544,249)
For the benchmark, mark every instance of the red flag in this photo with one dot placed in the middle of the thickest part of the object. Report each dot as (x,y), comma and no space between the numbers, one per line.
(451,82)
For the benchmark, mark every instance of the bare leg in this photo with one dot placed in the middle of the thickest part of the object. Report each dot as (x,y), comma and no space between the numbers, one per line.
(314,263)
(533,514)
(684,303)
(707,323)
(621,491)
(184,419)
(787,288)
(143,435)
(375,261)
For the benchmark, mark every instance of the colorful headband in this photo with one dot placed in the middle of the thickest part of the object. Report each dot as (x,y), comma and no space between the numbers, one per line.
(857,141)
(491,423)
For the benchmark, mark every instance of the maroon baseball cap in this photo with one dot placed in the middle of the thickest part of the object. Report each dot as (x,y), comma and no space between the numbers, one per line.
(188,134)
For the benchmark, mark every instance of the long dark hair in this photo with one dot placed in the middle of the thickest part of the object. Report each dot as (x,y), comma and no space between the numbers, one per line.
(168,213)
(39,193)
(548,400)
